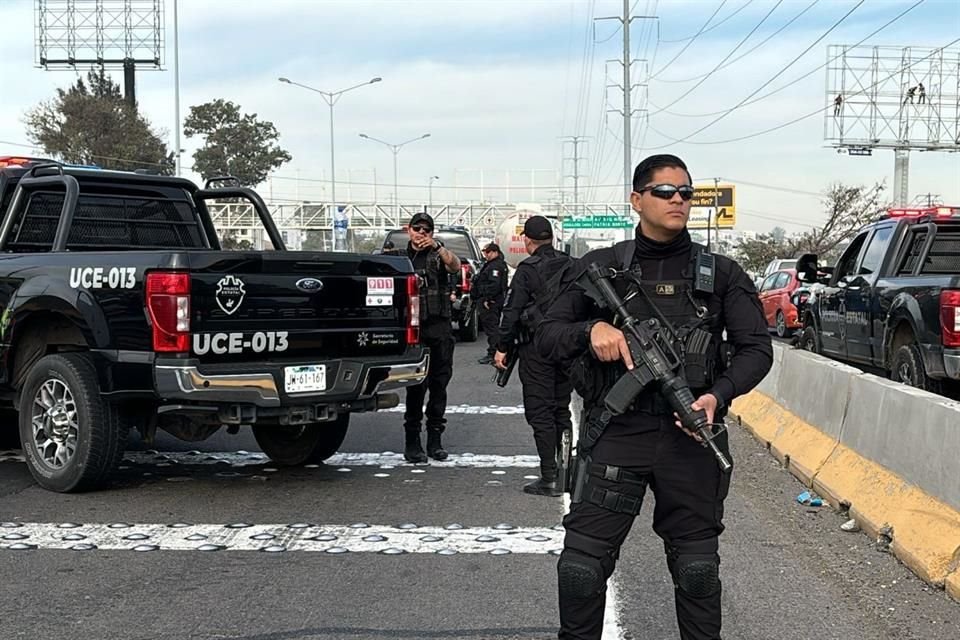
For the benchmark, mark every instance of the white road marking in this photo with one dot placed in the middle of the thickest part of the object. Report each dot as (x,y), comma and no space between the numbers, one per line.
(386,459)
(471,409)
(611,622)
(359,538)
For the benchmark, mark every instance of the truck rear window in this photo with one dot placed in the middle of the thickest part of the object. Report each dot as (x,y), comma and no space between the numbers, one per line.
(942,258)
(108,222)
(944,255)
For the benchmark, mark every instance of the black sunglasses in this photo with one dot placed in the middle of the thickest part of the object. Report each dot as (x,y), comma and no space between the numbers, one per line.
(667,191)
(419,229)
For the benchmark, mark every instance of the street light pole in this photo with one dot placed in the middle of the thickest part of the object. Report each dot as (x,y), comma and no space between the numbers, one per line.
(331,98)
(430,188)
(395,148)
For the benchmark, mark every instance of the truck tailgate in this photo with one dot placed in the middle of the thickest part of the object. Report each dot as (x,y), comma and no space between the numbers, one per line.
(296,305)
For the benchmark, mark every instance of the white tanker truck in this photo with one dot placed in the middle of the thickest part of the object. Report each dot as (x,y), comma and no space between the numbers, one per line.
(511,242)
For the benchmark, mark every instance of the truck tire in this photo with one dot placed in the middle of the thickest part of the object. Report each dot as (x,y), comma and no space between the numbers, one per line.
(292,446)
(810,341)
(470,328)
(781,324)
(907,368)
(72,439)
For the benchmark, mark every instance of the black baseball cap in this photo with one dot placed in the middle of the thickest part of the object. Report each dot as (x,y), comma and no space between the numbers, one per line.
(424,218)
(493,246)
(538,228)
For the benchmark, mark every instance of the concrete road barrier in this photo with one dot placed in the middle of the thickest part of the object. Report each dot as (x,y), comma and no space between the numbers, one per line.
(885,451)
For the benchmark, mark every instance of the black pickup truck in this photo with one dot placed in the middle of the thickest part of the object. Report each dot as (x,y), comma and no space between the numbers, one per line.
(893,299)
(120,310)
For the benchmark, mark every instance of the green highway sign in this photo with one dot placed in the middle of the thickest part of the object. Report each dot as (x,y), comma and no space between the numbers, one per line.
(599,222)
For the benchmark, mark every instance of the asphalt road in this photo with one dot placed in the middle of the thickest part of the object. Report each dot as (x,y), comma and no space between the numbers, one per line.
(479,562)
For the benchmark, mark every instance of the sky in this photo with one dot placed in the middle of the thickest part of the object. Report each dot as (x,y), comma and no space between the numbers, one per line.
(499,84)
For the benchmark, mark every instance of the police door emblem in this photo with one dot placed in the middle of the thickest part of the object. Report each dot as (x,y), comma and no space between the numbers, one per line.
(665,290)
(230,293)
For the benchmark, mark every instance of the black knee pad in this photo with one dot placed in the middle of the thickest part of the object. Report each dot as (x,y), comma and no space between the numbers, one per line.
(580,575)
(697,575)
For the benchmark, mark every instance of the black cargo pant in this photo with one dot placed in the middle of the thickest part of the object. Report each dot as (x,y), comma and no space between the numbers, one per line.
(689,490)
(490,323)
(546,405)
(436,334)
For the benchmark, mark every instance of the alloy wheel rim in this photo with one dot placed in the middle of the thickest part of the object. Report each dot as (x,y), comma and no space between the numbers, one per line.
(54,424)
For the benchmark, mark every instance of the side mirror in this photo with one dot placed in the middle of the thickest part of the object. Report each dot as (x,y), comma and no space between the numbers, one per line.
(567,247)
(807,268)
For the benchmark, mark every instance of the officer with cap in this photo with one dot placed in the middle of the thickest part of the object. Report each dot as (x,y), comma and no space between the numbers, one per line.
(546,388)
(490,287)
(433,263)
(706,297)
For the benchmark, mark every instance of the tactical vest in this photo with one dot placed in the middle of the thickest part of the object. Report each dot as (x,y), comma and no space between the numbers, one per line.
(434,288)
(695,316)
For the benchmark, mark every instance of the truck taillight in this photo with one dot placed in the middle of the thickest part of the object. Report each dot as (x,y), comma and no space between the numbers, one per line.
(413,309)
(168,303)
(465,278)
(950,317)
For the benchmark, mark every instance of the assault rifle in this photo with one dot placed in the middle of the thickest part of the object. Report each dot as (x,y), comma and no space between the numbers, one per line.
(655,362)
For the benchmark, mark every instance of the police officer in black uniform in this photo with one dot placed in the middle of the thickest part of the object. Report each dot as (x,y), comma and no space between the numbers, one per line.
(433,263)
(490,287)
(645,447)
(546,388)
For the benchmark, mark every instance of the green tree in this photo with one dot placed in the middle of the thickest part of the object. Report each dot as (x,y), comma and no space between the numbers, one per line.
(91,123)
(235,144)
(755,254)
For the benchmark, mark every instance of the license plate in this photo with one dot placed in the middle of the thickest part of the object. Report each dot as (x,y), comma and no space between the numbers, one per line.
(305,378)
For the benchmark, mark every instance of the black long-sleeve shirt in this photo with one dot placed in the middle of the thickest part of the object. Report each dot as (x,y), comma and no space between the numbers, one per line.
(564,334)
(490,283)
(527,279)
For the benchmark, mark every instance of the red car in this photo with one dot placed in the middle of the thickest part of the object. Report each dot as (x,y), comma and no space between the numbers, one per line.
(775,293)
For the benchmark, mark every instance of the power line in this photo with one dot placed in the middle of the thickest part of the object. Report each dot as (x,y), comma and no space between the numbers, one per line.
(727,57)
(692,40)
(798,79)
(777,75)
(745,53)
(742,7)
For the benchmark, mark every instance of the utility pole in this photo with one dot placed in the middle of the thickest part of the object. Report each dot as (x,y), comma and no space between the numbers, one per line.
(576,159)
(627,111)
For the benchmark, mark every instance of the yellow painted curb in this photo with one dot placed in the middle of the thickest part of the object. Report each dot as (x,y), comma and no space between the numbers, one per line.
(926,532)
(799,446)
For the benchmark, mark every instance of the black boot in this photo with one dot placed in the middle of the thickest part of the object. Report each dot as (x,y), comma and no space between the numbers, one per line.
(545,485)
(413,452)
(434,448)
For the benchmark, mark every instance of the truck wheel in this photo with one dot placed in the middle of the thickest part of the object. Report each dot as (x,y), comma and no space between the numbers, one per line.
(72,439)
(810,341)
(470,330)
(292,446)
(781,324)
(908,369)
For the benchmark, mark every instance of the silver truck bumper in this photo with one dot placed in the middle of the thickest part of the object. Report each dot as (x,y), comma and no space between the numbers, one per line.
(187,383)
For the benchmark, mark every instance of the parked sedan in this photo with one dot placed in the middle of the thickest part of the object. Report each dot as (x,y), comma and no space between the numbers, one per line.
(778,308)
